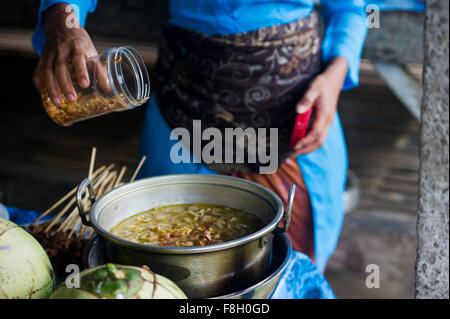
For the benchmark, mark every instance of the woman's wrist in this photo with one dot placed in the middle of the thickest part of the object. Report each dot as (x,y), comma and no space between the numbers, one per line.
(55,16)
(337,70)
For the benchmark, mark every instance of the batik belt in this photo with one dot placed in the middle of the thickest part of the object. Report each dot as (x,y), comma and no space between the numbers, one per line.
(247,80)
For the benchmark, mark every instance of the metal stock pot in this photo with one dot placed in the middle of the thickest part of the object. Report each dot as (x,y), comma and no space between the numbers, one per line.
(200,271)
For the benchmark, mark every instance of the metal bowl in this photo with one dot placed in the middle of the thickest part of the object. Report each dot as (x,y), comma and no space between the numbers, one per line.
(94,255)
(200,271)
(352,194)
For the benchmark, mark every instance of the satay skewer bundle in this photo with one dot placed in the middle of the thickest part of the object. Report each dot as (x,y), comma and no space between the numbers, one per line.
(67,221)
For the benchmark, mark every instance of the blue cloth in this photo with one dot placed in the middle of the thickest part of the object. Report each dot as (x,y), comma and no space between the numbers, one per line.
(24,216)
(81,7)
(156,145)
(300,280)
(344,19)
(324,170)
(395,5)
(345,22)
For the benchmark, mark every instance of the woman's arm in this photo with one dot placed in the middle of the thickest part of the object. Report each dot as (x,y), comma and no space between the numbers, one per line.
(345,32)
(322,94)
(61,41)
(84,7)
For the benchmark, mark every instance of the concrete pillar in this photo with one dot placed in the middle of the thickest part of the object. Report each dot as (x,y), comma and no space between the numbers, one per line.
(432,265)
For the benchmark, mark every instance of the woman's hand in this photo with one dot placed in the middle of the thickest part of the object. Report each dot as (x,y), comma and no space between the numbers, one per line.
(322,95)
(63,44)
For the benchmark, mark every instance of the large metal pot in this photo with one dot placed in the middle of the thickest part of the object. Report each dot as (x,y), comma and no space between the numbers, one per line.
(201,271)
(93,256)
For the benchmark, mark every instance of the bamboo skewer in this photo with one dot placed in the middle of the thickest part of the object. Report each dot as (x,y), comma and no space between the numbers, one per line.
(92,163)
(60,214)
(104,179)
(69,221)
(81,232)
(66,208)
(104,184)
(65,224)
(64,198)
(119,179)
(74,228)
(102,189)
(111,183)
(90,233)
(101,186)
(138,168)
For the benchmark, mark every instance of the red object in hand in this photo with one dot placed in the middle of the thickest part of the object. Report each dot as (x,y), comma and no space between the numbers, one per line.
(300,127)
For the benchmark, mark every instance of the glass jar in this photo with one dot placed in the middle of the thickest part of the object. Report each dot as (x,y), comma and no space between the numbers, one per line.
(118,81)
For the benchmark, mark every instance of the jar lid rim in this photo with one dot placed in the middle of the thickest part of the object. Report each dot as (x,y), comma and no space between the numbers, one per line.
(135,60)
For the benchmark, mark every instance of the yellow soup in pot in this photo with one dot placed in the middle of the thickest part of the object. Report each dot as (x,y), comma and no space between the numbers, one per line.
(187,225)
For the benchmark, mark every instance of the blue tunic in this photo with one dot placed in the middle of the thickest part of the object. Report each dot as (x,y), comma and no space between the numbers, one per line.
(324,170)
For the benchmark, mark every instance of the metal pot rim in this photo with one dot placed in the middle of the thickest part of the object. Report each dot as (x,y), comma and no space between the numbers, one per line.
(178,179)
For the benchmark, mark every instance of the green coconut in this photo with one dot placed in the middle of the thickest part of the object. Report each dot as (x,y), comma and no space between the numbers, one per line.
(112,281)
(25,270)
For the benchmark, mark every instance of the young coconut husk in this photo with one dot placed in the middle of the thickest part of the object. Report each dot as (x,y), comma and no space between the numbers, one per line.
(112,281)
(25,269)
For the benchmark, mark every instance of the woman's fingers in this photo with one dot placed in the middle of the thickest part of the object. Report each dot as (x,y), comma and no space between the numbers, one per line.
(62,72)
(308,100)
(80,69)
(310,147)
(102,76)
(64,48)
(317,128)
(51,81)
(316,136)
(64,80)
(324,94)
(52,87)
(315,97)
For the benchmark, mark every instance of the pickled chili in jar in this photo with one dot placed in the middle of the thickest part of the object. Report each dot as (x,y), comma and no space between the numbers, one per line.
(118,81)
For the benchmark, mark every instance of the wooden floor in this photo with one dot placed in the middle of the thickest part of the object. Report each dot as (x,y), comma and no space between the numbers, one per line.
(40,162)
(383,145)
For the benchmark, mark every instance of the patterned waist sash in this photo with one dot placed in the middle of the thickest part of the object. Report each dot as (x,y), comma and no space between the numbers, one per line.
(253,79)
